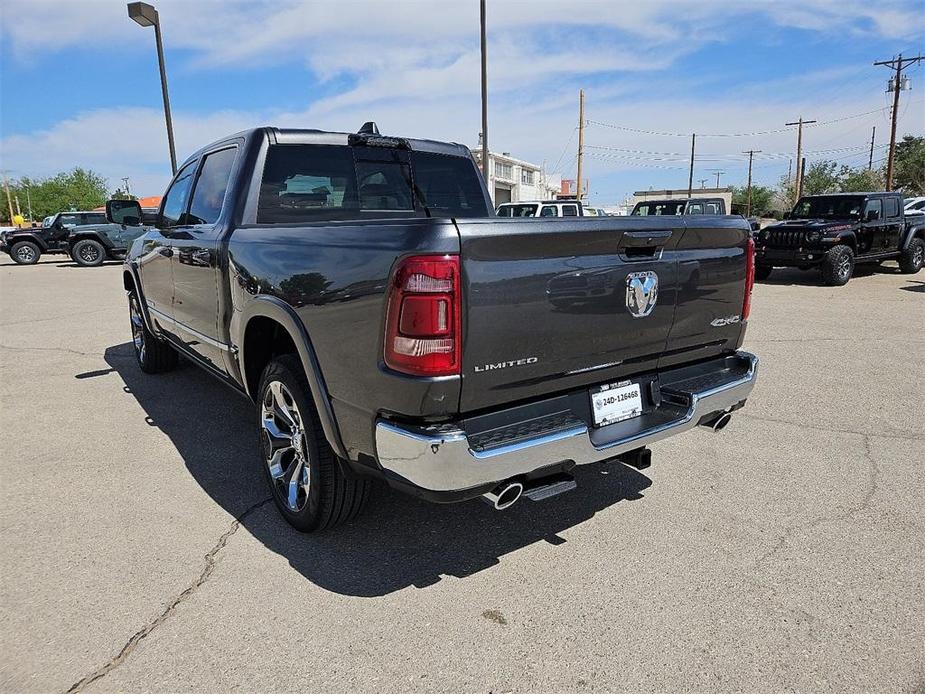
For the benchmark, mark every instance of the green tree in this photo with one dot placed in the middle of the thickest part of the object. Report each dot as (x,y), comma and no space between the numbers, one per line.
(909,165)
(120,194)
(762,199)
(80,189)
(853,180)
(821,177)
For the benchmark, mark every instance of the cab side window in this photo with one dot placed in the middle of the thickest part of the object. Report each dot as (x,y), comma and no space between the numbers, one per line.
(68,220)
(873,210)
(177,197)
(209,193)
(94,218)
(891,207)
(569,211)
(549,211)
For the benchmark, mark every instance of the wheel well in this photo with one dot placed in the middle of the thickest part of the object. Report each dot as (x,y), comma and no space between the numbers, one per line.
(86,237)
(31,239)
(264,339)
(851,242)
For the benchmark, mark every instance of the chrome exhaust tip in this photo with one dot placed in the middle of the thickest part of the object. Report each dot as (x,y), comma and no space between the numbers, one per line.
(504,495)
(721,422)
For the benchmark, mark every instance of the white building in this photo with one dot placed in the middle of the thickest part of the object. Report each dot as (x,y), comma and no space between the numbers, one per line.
(513,180)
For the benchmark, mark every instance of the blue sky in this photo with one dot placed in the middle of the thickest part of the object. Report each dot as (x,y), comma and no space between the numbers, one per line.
(79,84)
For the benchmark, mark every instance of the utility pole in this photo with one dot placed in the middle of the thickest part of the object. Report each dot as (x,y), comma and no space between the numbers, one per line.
(800,123)
(581,138)
(690,178)
(484,46)
(802,172)
(748,204)
(9,200)
(29,204)
(896,84)
(717,173)
(870,163)
(703,183)
(18,209)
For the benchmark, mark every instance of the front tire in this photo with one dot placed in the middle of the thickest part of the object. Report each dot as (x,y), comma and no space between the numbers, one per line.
(912,259)
(25,253)
(308,484)
(762,272)
(88,253)
(153,354)
(838,266)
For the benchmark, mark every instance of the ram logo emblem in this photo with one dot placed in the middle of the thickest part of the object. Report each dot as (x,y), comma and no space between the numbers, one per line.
(641,293)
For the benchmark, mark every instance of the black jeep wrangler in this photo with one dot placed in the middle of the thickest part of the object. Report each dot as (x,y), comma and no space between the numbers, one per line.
(90,245)
(27,245)
(835,232)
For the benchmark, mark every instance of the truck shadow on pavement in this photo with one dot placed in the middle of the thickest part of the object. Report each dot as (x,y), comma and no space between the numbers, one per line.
(398,541)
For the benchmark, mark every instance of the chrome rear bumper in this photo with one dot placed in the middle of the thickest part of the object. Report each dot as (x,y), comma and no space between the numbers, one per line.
(439,459)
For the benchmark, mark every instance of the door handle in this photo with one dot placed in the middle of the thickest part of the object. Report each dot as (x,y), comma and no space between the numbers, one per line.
(645,239)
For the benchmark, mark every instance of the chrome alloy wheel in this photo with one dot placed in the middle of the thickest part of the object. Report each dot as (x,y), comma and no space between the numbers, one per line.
(918,255)
(89,253)
(284,447)
(138,327)
(25,254)
(844,267)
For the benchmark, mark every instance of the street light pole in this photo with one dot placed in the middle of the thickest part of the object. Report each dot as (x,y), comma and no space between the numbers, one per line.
(145,15)
(484,46)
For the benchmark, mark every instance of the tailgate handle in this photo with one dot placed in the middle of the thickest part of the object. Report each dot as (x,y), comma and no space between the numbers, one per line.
(645,239)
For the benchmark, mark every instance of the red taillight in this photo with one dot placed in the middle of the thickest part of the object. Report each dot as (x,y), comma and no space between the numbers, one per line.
(749,277)
(422,323)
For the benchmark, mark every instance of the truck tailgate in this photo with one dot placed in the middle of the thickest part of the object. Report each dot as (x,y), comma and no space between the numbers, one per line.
(546,306)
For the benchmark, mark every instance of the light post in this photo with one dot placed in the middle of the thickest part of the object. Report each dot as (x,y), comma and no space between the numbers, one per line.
(145,15)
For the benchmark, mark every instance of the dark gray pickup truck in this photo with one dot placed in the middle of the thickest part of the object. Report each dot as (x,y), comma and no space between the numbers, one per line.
(359,289)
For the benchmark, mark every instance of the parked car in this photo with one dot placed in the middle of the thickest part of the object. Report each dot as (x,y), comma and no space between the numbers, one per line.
(25,246)
(679,207)
(360,290)
(541,208)
(90,245)
(913,207)
(689,206)
(835,232)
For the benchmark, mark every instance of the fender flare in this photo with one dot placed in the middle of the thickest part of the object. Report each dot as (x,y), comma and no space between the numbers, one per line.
(17,238)
(132,271)
(848,238)
(93,236)
(275,309)
(916,230)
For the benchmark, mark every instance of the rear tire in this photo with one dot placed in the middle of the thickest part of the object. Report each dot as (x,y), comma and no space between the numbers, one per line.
(88,253)
(153,354)
(838,266)
(308,484)
(762,272)
(25,253)
(912,259)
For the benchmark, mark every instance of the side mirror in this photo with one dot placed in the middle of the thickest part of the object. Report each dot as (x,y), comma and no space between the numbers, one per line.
(872,215)
(123,212)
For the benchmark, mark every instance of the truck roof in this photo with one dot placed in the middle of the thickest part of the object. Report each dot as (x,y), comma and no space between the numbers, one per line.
(325,137)
(852,195)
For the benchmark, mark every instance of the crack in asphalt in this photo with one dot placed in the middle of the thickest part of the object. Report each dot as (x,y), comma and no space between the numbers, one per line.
(66,350)
(146,630)
(902,436)
(873,474)
(45,320)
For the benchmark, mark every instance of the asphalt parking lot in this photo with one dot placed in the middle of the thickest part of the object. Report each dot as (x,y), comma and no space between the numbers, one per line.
(786,554)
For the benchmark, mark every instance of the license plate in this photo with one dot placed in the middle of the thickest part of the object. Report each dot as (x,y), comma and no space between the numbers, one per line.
(616,402)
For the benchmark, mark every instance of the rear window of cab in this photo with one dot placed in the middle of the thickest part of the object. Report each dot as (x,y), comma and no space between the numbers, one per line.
(314,183)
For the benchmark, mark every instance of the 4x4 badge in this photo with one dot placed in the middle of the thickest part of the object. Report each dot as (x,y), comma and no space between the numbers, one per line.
(641,293)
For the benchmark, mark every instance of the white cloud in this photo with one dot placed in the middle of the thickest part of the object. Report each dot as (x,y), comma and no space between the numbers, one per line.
(414,69)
